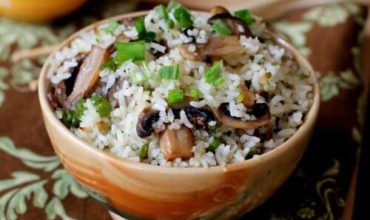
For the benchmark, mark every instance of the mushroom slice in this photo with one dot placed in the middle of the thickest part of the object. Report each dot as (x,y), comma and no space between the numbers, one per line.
(144,126)
(249,97)
(260,110)
(176,143)
(88,76)
(184,51)
(222,47)
(199,117)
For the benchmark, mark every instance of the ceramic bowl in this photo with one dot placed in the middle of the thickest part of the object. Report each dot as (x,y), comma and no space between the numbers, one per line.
(141,191)
(37,10)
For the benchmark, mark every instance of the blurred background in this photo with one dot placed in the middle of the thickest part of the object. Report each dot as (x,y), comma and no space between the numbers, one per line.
(334,35)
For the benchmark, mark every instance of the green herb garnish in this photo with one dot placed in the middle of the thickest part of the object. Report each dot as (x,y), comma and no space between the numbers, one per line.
(302,76)
(175,96)
(70,119)
(129,51)
(221,28)
(101,105)
(80,108)
(164,14)
(244,15)
(214,145)
(111,27)
(143,153)
(181,14)
(253,151)
(110,65)
(169,72)
(141,30)
(195,93)
(213,75)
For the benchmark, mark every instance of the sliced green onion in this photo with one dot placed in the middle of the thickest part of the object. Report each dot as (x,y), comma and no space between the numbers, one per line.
(195,93)
(69,118)
(129,51)
(221,28)
(140,25)
(110,65)
(214,129)
(214,145)
(173,5)
(80,108)
(111,27)
(213,74)
(143,153)
(302,76)
(164,14)
(253,151)
(141,30)
(146,70)
(101,105)
(181,14)
(244,15)
(169,72)
(175,96)
(183,17)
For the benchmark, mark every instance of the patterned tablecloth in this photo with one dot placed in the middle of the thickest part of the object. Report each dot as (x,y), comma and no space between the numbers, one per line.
(34,185)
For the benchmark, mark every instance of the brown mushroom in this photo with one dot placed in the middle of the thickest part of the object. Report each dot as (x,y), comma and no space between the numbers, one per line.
(218,10)
(227,48)
(144,126)
(176,143)
(88,76)
(260,110)
(249,97)
(184,51)
(199,117)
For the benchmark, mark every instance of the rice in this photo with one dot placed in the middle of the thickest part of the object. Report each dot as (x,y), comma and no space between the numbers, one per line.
(268,70)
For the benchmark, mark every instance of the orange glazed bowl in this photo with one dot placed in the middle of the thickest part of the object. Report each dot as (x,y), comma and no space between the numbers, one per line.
(141,191)
(38,10)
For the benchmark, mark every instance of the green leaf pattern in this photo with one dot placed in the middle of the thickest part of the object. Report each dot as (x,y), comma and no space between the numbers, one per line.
(331,84)
(22,186)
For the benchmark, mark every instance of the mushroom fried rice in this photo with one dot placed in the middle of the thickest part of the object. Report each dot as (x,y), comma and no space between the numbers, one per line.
(180,88)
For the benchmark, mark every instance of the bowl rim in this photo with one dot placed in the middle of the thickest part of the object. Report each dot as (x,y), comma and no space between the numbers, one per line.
(48,113)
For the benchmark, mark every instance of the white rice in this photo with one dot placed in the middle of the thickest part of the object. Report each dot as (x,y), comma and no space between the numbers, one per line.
(268,67)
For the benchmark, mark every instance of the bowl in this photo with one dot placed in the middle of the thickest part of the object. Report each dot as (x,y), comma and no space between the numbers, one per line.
(142,191)
(24,10)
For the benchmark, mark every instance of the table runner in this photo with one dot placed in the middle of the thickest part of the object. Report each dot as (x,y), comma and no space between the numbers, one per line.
(34,185)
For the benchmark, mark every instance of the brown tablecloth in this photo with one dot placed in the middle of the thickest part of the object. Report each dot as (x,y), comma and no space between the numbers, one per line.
(33,184)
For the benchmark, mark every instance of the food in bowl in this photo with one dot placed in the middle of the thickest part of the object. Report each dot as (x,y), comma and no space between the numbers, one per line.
(180,88)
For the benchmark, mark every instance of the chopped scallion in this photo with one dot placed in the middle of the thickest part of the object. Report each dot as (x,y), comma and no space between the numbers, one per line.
(221,28)
(80,108)
(69,118)
(181,14)
(141,30)
(143,153)
(214,145)
(302,76)
(195,93)
(111,27)
(244,15)
(175,96)
(110,65)
(164,14)
(169,72)
(213,74)
(101,105)
(129,51)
